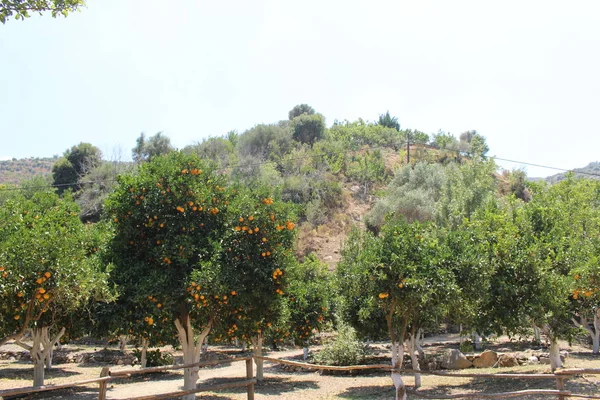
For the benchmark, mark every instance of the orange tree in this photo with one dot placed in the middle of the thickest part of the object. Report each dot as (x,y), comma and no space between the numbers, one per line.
(48,272)
(565,220)
(183,240)
(256,252)
(585,300)
(308,299)
(401,275)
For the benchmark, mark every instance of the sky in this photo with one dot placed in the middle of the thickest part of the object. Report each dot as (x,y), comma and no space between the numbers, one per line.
(524,74)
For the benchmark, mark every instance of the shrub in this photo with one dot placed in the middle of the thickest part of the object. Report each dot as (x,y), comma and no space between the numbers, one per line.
(346,349)
(316,213)
(154,358)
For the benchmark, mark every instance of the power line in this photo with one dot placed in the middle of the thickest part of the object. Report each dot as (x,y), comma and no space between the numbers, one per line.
(331,153)
(513,161)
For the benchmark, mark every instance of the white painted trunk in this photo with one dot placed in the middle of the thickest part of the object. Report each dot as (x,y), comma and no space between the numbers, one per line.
(420,339)
(38,373)
(143,356)
(191,354)
(40,351)
(414,360)
(596,343)
(537,334)
(304,353)
(123,343)
(37,356)
(257,350)
(397,358)
(205,345)
(48,344)
(555,361)
(477,341)
(593,330)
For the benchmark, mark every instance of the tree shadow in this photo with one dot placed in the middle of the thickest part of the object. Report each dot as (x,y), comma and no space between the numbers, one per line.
(587,355)
(26,373)
(154,376)
(270,385)
(80,392)
(368,392)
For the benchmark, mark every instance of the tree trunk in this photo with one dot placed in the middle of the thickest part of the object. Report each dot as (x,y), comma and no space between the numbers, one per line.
(38,373)
(596,335)
(537,335)
(143,356)
(476,341)
(257,347)
(420,337)
(191,352)
(48,345)
(594,331)
(37,356)
(122,343)
(205,345)
(555,361)
(397,358)
(414,360)
(40,351)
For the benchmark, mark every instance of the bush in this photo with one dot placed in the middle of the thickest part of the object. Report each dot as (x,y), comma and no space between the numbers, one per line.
(346,349)
(316,213)
(154,358)
(467,347)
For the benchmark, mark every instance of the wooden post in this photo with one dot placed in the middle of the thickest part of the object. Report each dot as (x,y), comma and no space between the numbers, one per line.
(102,386)
(249,376)
(560,385)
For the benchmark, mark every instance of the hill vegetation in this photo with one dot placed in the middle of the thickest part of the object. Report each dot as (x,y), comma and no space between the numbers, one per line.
(591,171)
(17,171)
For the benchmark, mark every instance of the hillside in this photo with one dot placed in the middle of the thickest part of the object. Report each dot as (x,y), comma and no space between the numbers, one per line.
(16,171)
(592,171)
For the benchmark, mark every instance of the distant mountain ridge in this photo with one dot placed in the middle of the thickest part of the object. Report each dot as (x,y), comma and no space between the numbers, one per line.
(16,171)
(592,171)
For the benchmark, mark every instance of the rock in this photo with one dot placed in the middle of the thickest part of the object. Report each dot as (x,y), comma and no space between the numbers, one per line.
(533,360)
(508,360)
(544,360)
(486,359)
(564,354)
(454,359)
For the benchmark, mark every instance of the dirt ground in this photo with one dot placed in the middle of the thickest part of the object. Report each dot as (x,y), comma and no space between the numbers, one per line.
(283,384)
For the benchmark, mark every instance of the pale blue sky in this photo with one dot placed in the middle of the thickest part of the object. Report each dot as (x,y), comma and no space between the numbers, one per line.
(525,74)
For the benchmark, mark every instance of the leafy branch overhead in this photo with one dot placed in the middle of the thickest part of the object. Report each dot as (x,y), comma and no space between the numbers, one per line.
(21,9)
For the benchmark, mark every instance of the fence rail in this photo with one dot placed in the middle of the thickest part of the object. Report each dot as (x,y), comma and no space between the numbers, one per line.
(558,376)
(106,376)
